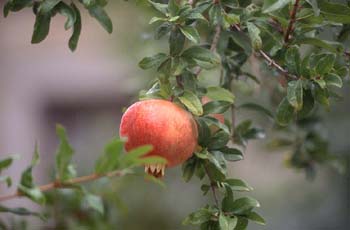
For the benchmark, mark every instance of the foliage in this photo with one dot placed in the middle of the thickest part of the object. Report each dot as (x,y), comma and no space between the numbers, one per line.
(223,34)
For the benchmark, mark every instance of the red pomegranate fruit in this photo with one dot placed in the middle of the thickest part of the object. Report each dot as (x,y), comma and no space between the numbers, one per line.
(171,130)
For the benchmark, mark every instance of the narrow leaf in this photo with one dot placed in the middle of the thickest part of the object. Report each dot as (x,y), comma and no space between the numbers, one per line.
(73,40)
(285,113)
(192,103)
(191,33)
(64,155)
(220,94)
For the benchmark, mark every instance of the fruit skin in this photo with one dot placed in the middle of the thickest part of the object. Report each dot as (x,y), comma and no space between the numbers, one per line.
(171,130)
(219,117)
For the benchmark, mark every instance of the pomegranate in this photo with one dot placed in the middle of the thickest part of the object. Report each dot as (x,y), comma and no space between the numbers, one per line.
(171,130)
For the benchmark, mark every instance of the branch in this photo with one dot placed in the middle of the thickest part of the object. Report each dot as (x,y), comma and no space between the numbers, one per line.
(292,20)
(212,185)
(68,183)
(271,62)
(213,45)
(233,121)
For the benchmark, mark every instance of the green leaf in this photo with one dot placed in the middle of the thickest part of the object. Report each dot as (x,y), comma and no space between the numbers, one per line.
(227,201)
(102,17)
(204,132)
(209,120)
(242,40)
(242,224)
(27,186)
(150,160)
(165,68)
(157,181)
(73,40)
(132,158)
(314,5)
(226,223)
(22,212)
(332,79)
(173,8)
(176,42)
(110,159)
(7,180)
(68,12)
(293,60)
(196,16)
(325,64)
(321,95)
(231,19)
(63,156)
(47,6)
(275,5)
(213,107)
(254,34)
(16,5)
(244,205)
(238,185)
(335,12)
(192,102)
(295,94)
(7,162)
(188,169)
(320,82)
(153,61)
(308,104)
(220,94)
(163,8)
(219,140)
(284,113)
(232,154)
(94,202)
(258,108)
(191,33)
(198,217)
(253,216)
(202,57)
(162,30)
(157,19)
(331,46)
(41,27)
(178,65)
(215,15)
(215,170)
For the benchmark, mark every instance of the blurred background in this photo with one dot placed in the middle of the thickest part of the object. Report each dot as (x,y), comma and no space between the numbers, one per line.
(86,91)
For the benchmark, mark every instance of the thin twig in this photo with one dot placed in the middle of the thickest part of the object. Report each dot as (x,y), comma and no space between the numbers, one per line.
(233,121)
(292,20)
(216,38)
(179,81)
(213,187)
(213,45)
(68,183)
(271,62)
